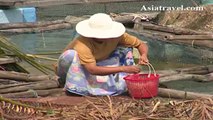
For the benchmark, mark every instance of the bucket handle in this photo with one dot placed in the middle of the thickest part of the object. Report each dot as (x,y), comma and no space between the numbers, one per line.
(151,67)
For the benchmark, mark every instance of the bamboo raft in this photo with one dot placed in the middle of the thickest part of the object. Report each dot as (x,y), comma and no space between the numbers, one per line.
(21,84)
(24,85)
(167,34)
(15,84)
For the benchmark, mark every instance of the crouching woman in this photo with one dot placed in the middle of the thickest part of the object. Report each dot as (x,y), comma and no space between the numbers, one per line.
(96,62)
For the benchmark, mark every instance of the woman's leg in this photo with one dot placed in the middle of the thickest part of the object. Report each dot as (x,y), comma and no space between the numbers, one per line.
(64,62)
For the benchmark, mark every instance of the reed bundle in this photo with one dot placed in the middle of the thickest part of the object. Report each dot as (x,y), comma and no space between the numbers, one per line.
(8,48)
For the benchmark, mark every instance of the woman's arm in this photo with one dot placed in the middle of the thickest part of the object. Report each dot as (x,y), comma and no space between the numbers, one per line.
(101,70)
(132,41)
(143,50)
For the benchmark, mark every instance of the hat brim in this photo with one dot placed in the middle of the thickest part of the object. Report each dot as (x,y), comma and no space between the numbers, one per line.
(85,30)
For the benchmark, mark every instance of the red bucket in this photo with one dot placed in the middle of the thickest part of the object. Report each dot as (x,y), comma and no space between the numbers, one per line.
(143,85)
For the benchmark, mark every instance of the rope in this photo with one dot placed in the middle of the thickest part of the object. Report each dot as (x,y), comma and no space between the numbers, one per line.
(150,65)
(135,16)
(151,68)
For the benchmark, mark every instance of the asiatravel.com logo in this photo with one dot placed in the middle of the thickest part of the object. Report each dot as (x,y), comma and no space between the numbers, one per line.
(167,8)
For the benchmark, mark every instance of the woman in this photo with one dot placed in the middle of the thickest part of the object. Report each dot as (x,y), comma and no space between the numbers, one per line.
(96,61)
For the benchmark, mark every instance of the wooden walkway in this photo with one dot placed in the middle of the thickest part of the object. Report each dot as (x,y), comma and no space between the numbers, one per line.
(43,3)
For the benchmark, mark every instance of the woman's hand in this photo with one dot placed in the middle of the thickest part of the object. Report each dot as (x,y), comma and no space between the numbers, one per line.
(143,60)
(130,69)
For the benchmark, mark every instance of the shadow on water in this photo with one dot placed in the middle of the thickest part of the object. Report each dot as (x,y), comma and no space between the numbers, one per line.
(162,55)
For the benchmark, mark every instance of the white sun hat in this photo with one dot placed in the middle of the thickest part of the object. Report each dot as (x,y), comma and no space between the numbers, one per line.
(100,26)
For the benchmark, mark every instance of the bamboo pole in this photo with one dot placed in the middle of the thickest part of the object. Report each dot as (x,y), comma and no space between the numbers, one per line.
(177,31)
(41,57)
(7,81)
(35,86)
(198,73)
(163,36)
(4,26)
(25,77)
(124,19)
(14,85)
(171,93)
(35,93)
(197,70)
(190,37)
(203,78)
(164,73)
(38,29)
(25,94)
(7,60)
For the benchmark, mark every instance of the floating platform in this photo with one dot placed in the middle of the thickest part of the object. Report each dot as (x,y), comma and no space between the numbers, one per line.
(15,15)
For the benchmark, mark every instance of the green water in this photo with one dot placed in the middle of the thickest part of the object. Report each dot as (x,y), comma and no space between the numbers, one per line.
(193,86)
(43,42)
